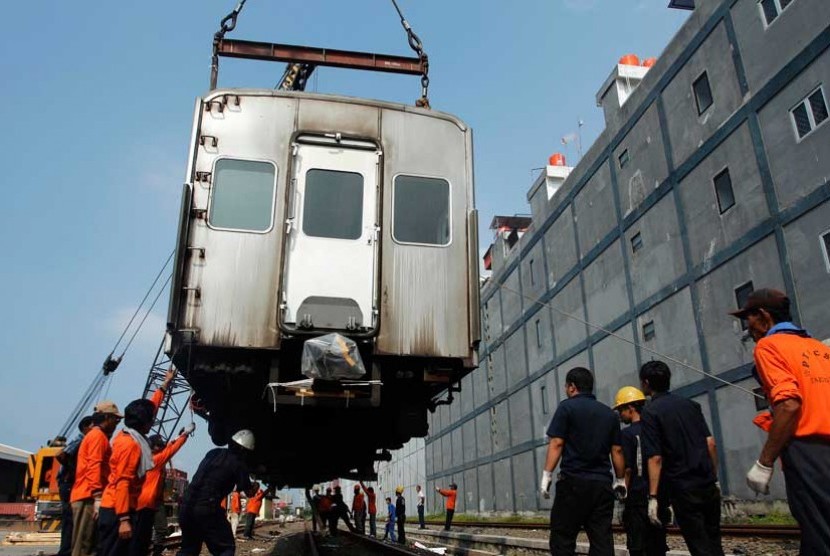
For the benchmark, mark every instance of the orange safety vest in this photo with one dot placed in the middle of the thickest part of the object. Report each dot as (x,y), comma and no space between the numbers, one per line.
(451,495)
(124,484)
(92,469)
(152,491)
(236,503)
(791,366)
(255,502)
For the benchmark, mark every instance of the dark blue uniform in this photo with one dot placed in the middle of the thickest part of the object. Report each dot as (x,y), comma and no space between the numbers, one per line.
(674,428)
(400,517)
(642,538)
(66,478)
(584,498)
(201,517)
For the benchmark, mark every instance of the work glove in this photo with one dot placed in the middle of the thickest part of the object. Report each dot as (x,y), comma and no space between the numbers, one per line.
(96,507)
(547,479)
(759,477)
(620,491)
(189,429)
(125,530)
(652,512)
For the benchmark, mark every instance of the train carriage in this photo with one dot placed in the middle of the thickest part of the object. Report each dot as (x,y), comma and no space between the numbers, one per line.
(308,214)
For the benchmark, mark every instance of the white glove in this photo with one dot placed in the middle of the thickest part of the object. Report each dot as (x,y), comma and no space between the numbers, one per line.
(547,479)
(620,491)
(96,507)
(652,512)
(759,477)
(190,428)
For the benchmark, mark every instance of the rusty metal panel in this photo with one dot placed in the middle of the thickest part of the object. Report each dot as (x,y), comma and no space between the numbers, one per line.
(338,117)
(424,289)
(251,50)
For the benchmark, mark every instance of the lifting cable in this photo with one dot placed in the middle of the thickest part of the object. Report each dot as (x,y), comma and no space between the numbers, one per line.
(634,343)
(101,382)
(227,24)
(416,45)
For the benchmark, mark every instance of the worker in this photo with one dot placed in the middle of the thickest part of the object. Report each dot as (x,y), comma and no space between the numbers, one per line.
(794,371)
(372,507)
(252,508)
(682,462)
(130,461)
(68,458)
(400,514)
(200,517)
(390,520)
(583,434)
(359,510)
(419,492)
(450,494)
(324,509)
(234,511)
(91,476)
(338,511)
(642,537)
(150,509)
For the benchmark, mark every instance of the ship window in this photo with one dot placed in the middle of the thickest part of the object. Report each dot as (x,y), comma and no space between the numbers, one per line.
(242,196)
(741,295)
(544,393)
(333,204)
(421,210)
(703,93)
(809,113)
(723,191)
(623,158)
(538,334)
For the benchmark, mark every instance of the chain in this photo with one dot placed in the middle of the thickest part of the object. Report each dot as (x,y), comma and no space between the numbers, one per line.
(416,45)
(228,23)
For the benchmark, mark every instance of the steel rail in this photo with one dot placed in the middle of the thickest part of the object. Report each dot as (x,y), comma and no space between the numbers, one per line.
(731,530)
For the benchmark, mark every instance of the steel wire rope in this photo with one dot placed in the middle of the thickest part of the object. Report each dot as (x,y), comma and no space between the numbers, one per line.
(633,343)
(416,45)
(147,314)
(146,295)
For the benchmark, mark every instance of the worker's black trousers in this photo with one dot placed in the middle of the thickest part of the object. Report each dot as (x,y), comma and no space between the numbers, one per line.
(582,504)
(249,525)
(448,521)
(142,532)
(641,536)
(697,512)
(109,543)
(401,529)
(806,465)
(208,525)
(66,520)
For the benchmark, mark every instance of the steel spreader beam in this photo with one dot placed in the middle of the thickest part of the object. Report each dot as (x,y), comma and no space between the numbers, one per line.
(270,52)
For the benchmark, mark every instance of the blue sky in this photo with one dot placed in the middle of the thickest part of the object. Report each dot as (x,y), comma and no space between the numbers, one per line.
(96,114)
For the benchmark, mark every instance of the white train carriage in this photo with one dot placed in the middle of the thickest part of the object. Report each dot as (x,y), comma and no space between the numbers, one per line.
(305,214)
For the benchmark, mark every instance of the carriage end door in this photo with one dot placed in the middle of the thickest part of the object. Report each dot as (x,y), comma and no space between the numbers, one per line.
(330,273)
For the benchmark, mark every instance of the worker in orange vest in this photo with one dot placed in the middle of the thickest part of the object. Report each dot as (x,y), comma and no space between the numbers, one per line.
(91,475)
(235,510)
(372,506)
(130,461)
(252,510)
(359,510)
(450,494)
(151,514)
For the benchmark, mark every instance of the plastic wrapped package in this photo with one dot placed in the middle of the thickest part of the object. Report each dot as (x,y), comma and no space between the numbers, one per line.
(331,357)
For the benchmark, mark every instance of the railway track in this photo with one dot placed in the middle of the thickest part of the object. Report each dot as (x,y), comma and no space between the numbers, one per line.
(733,530)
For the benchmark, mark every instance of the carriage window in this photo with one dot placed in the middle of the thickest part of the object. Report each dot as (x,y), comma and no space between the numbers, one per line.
(422,210)
(242,196)
(333,205)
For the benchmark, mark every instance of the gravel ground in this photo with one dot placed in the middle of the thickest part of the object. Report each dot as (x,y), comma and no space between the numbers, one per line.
(745,545)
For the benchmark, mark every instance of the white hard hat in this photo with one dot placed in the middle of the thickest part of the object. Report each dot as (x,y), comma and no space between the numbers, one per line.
(244,438)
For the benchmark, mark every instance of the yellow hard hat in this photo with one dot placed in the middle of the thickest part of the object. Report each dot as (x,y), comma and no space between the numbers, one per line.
(627,395)
(399,490)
